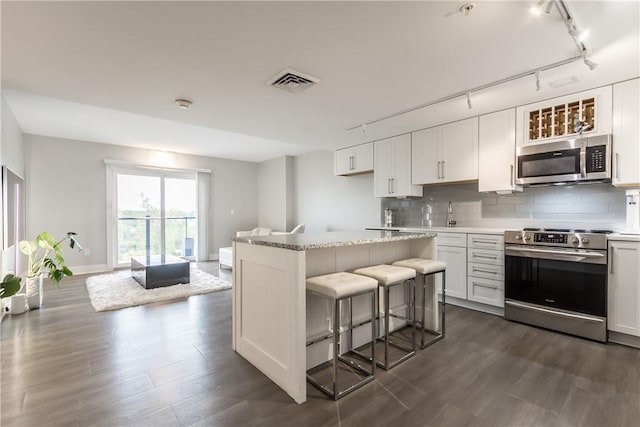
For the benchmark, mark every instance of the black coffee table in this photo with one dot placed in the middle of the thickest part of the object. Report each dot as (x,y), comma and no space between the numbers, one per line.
(156,271)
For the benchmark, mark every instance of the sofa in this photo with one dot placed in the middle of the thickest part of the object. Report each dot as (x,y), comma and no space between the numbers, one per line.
(225,255)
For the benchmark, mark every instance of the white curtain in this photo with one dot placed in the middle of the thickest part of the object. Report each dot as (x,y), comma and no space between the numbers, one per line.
(203,182)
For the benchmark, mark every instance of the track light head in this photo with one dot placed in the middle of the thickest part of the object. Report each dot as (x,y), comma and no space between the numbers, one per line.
(538,87)
(589,63)
(537,9)
(469,100)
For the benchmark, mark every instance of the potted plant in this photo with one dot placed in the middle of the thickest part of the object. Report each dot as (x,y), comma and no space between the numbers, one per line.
(45,254)
(9,286)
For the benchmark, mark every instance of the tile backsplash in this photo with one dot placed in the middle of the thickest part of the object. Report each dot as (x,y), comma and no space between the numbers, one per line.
(591,206)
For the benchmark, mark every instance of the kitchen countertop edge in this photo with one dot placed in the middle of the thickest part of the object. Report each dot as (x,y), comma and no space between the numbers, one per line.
(292,241)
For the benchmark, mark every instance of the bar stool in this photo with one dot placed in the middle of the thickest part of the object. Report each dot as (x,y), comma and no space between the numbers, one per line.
(424,268)
(387,277)
(340,286)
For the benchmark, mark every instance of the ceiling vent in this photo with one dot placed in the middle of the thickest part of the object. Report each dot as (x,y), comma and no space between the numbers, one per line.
(292,80)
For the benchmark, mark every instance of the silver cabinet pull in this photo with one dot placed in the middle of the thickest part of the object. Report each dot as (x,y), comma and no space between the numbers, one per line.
(393,190)
(618,166)
(488,242)
(354,162)
(484,256)
(438,170)
(484,285)
(480,270)
(511,176)
(443,169)
(388,185)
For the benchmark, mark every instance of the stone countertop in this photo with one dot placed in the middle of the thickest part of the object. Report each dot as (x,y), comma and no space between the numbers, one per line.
(332,239)
(480,230)
(624,237)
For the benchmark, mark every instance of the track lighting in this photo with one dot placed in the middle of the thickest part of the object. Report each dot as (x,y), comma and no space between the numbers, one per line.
(469,100)
(538,88)
(537,9)
(589,63)
(364,128)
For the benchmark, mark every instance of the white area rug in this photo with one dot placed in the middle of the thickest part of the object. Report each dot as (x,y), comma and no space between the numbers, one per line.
(119,290)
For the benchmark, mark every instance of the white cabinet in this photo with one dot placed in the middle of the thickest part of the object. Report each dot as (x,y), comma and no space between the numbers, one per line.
(626,132)
(485,283)
(624,287)
(353,160)
(392,168)
(451,248)
(447,153)
(560,118)
(497,152)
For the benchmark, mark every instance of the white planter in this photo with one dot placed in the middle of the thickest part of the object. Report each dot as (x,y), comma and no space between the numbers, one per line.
(33,286)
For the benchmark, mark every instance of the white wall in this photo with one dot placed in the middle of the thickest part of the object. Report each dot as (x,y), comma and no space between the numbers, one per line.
(325,202)
(66,191)
(12,156)
(272,194)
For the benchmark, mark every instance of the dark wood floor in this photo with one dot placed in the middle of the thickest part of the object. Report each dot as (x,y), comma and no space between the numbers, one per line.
(171,364)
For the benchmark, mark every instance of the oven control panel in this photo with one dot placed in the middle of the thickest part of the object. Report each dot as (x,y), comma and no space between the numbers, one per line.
(550,238)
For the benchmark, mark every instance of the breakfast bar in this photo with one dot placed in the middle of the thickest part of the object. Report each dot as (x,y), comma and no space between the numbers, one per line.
(274,316)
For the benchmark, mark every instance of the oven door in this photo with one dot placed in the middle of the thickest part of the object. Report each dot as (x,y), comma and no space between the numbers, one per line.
(567,279)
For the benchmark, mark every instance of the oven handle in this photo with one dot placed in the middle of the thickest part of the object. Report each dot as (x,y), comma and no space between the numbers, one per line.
(554,312)
(561,255)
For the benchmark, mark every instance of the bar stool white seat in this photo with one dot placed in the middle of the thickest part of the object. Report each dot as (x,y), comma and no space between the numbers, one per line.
(338,287)
(388,276)
(424,268)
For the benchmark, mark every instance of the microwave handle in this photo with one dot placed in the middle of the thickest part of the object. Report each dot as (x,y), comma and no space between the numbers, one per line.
(583,161)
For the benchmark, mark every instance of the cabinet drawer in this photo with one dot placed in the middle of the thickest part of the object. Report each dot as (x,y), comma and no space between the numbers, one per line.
(452,239)
(485,256)
(485,291)
(495,272)
(486,241)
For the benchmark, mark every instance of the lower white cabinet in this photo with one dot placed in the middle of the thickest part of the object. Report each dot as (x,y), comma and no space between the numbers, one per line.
(485,283)
(624,287)
(456,259)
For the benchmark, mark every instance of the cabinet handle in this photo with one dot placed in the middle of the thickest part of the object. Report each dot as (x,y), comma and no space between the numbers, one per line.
(389,186)
(443,169)
(488,242)
(354,162)
(484,285)
(617,166)
(392,185)
(485,256)
(439,170)
(350,163)
(511,175)
(480,270)
(611,260)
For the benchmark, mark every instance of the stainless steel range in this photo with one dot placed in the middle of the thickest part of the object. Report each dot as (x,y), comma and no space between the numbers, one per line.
(557,279)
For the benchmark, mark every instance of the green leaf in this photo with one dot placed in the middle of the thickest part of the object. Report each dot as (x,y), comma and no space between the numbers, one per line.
(67,271)
(27,247)
(10,286)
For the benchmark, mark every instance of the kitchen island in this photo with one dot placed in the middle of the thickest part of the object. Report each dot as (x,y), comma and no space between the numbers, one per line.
(273,316)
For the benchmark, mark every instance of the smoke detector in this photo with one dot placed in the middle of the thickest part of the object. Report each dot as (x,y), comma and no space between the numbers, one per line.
(292,80)
(183,104)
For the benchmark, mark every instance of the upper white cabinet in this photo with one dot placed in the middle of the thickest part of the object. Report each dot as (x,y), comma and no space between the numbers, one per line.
(447,153)
(626,134)
(392,168)
(624,288)
(587,112)
(354,160)
(497,152)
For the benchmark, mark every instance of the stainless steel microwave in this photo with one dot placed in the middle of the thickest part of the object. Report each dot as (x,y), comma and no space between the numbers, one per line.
(583,159)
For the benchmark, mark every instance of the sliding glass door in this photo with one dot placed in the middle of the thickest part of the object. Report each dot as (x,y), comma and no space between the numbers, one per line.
(156,214)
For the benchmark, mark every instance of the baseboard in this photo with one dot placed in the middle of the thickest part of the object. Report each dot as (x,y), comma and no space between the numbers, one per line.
(213,257)
(91,269)
(624,339)
(490,309)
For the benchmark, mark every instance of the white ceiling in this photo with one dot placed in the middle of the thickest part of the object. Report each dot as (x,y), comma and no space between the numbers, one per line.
(109,71)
